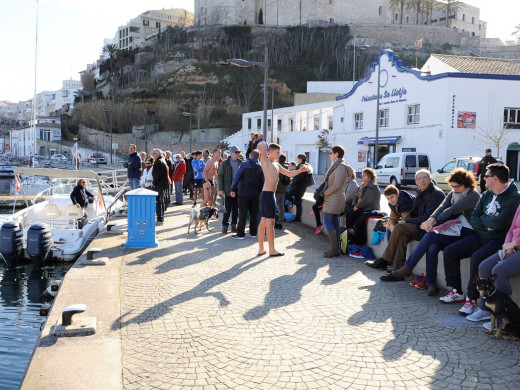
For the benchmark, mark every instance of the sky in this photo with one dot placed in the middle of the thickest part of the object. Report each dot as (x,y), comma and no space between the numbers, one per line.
(71,34)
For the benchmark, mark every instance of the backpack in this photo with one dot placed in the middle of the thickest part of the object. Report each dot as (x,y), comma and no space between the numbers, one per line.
(309,180)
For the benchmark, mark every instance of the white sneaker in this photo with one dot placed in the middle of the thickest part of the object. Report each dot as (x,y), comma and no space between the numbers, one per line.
(452,297)
(470,306)
(479,315)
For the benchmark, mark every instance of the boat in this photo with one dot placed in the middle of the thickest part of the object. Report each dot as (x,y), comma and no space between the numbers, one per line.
(50,227)
(30,185)
(7,170)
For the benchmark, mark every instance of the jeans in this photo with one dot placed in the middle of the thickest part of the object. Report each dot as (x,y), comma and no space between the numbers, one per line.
(230,209)
(475,246)
(178,191)
(159,205)
(245,204)
(331,222)
(431,244)
(280,204)
(134,183)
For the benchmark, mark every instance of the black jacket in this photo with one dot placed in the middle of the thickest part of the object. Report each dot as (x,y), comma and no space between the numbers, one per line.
(160,175)
(299,183)
(249,179)
(169,162)
(482,167)
(425,203)
(80,196)
(134,166)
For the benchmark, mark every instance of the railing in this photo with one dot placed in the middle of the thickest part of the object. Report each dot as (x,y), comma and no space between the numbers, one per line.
(113,181)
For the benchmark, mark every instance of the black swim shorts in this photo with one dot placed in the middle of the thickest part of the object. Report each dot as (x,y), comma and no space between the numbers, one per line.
(268,207)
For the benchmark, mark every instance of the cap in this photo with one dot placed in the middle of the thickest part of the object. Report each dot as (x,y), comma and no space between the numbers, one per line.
(234,149)
(488,150)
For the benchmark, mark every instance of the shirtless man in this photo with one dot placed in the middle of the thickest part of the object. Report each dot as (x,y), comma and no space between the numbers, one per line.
(271,169)
(209,173)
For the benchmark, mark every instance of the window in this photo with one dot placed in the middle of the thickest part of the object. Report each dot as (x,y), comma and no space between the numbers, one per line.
(512,118)
(269,124)
(463,17)
(407,20)
(383,117)
(410,161)
(380,10)
(146,22)
(448,167)
(330,2)
(316,123)
(291,124)
(358,121)
(414,113)
(331,20)
(392,162)
(396,16)
(258,123)
(249,123)
(423,161)
(279,125)
(472,20)
(157,24)
(330,121)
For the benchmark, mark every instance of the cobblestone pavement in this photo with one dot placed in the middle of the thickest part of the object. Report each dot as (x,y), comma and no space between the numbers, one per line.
(204,312)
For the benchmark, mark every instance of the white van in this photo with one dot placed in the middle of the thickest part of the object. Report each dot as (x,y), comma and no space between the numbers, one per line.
(399,168)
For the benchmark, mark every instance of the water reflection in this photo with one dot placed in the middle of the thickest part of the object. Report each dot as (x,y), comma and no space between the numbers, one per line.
(20,323)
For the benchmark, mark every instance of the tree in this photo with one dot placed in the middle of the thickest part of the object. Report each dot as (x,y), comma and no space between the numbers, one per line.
(497,137)
(88,81)
(415,5)
(428,7)
(398,5)
(449,7)
(323,139)
(517,32)
(112,51)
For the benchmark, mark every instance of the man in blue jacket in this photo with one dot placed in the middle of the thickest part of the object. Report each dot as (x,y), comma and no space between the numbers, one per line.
(198,178)
(134,167)
(247,185)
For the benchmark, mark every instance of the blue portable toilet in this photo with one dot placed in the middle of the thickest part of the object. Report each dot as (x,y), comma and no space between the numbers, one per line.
(141,219)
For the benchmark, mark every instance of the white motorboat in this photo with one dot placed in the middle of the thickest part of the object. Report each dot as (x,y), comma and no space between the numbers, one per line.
(51,226)
(29,185)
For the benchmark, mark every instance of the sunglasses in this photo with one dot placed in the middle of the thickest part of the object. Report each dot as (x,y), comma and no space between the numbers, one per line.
(148,163)
(455,187)
(486,176)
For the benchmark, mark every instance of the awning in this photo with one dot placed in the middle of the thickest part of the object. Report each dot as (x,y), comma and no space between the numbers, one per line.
(381,140)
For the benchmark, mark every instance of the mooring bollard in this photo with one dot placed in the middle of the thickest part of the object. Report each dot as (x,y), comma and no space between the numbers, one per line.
(69,311)
(141,219)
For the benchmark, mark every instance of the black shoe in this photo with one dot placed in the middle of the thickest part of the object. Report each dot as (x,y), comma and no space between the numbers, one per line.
(278,226)
(233,228)
(377,264)
(224,229)
(391,278)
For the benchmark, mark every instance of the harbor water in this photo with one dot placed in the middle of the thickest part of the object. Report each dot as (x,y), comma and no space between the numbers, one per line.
(20,301)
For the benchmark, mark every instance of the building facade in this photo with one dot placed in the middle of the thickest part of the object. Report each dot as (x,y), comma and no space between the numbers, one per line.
(23,141)
(323,12)
(148,24)
(439,109)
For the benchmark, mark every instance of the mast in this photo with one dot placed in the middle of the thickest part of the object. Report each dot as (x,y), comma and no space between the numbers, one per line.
(34,94)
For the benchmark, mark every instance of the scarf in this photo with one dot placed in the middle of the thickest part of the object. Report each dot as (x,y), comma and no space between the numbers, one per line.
(332,168)
(455,197)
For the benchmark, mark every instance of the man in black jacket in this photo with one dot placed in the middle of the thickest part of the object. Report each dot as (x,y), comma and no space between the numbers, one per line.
(247,185)
(134,167)
(80,195)
(160,182)
(482,168)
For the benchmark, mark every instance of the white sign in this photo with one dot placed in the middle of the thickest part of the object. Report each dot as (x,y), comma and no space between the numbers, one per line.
(115,146)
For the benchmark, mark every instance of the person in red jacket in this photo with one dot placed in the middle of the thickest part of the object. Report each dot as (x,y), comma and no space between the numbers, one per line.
(178,177)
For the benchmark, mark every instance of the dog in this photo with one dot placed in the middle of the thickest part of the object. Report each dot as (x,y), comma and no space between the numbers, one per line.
(201,216)
(500,305)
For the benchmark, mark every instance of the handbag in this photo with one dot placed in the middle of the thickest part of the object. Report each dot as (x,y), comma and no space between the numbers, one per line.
(309,180)
(317,193)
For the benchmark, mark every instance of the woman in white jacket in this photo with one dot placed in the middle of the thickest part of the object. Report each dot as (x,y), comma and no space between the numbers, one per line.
(146,177)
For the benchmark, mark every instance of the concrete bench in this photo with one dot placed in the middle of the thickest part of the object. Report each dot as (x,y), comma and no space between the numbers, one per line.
(378,250)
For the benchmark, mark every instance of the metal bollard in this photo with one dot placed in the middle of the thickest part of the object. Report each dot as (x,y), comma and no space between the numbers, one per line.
(69,311)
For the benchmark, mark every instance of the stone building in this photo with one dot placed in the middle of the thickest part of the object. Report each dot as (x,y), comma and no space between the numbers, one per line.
(324,12)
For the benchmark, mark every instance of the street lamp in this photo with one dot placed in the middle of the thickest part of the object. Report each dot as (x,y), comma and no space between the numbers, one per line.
(192,114)
(272,109)
(111,143)
(247,64)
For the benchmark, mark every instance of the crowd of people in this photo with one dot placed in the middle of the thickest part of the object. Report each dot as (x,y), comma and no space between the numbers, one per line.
(463,224)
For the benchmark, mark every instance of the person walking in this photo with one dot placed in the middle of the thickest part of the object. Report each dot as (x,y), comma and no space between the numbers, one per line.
(334,197)
(226,173)
(482,167)
(177,178)
(247,185)
(134,167)
(160,182)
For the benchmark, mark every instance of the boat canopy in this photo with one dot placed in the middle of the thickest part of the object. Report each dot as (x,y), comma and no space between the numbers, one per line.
(55,172)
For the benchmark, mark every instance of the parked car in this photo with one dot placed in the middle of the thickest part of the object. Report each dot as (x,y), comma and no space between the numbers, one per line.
(97,158)
(399,168)
(58,158)
(440,178)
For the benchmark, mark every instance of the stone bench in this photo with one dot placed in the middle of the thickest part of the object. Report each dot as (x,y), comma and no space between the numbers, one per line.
(378,250)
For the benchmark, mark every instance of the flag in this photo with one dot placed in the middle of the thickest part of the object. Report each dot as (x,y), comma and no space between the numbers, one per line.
(100,200)
(17,184)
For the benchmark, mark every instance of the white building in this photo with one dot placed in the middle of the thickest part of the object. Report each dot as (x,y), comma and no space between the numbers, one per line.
(148,24)
(8,109)
(24,141)
(452,107)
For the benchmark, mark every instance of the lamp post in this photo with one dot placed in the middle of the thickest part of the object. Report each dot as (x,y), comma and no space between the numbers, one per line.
(247,64)
(192,114)
(272,109)
(111,143)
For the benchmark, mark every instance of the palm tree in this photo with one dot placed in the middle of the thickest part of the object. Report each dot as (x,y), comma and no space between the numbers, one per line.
(415,5)
(428,7)
(112,51)
(449,7)
(398,5)
(517,32)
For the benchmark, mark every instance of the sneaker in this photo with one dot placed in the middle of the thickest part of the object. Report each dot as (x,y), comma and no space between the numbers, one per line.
(487,325)
(252,236)
(479,315)
(237,237)
(421,283)
(417,279)
(452,297)
(356,255)
(470,306)
(318,229)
